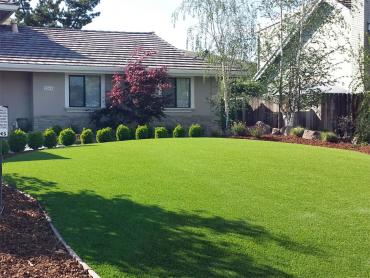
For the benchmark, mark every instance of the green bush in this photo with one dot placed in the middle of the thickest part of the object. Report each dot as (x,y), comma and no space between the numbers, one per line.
(67,137)
(105,135)
(50,138)
(329,137)
(160,132)
(123,133)
(17,141)
(256,132)
(35,140)
(87,136)
(238,129)
(195,130)
(142,132)
(4,147)
(297,131)
(179,131)
(57,129)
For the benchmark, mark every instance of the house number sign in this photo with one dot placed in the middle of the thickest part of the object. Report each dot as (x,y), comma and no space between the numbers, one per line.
(3,121)
(3,133)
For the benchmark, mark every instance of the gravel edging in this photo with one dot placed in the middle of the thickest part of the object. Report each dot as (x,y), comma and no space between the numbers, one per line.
(70,251)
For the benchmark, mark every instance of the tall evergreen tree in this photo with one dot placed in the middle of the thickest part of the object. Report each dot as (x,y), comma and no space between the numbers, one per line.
(57,13)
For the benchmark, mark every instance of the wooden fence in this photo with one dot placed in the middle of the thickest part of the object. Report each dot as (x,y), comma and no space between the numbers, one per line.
(325,117)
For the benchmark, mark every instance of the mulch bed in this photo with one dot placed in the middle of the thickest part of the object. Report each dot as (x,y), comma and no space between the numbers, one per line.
(28,246)
(319,143)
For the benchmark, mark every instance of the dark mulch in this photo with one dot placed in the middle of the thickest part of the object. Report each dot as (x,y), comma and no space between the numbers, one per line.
(28,247)
(319,143)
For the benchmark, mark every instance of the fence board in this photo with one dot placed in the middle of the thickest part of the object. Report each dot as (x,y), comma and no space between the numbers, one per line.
(324,118)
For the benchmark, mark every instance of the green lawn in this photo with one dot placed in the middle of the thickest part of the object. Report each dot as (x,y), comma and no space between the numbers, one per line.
(206,207)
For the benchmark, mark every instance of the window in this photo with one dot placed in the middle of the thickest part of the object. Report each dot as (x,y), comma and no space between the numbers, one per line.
(84,91)
(179,94)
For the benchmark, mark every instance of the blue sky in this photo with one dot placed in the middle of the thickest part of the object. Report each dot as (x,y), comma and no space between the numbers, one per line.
(142,16)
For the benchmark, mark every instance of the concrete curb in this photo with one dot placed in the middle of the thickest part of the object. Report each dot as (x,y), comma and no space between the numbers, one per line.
(71,252)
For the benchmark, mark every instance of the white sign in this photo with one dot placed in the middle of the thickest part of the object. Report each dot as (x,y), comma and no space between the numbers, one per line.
(4,121)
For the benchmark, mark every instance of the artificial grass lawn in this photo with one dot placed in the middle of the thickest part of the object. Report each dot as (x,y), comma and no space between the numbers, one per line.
(206,207)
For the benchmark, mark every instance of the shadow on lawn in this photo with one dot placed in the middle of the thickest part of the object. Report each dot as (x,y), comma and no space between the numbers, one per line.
(142,239)
(32,156)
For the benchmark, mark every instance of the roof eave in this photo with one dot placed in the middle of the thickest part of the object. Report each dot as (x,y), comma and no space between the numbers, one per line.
(6,10)
(93,69)
(8,7)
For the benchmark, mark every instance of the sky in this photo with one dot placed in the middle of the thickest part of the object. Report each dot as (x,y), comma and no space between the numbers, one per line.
(142,16)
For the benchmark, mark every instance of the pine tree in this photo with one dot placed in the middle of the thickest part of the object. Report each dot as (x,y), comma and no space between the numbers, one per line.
(57,13)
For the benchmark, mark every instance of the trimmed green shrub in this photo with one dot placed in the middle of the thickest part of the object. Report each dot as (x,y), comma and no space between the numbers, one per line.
(297,131)
(256,132)
(57,129)
(67,137)
(87,136)
(238,129)
(50,138)
(195,130)
(179,131)
(329,137)
(105,135)
(35,140)
(160,132)
(142,132)
(123,133)
(4,147)
(17,141)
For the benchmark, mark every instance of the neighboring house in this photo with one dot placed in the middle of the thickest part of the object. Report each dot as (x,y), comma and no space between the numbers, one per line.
(348,35)
(350,31)
(59,76)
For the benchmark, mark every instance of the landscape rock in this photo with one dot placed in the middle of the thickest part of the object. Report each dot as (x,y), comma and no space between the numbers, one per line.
(276,131)
(311,135)
(266,129)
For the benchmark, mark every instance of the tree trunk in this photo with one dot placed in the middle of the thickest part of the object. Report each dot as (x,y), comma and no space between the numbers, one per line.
(281,64)
(225,89)
(299,53)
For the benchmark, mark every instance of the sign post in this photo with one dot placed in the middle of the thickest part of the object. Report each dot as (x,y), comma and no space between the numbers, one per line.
(3,134)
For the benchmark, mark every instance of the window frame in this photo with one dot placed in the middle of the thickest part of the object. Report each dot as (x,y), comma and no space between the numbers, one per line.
(190,97)
(102,98)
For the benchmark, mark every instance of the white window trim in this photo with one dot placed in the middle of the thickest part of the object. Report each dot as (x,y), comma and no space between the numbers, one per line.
(192,99)
(83,109)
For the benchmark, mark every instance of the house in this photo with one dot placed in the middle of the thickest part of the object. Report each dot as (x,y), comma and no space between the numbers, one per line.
(60,76)
(344,38)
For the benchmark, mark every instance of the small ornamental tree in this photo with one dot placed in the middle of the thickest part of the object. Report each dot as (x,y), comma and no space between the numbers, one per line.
(136,96)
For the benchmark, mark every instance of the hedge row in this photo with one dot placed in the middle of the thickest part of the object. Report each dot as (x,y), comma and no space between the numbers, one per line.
(144,132)
(18,140)
(51,137)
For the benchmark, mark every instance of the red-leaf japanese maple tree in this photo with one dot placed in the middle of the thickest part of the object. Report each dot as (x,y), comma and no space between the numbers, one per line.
(135,96)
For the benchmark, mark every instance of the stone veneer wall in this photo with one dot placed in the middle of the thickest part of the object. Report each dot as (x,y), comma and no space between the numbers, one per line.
(43,122)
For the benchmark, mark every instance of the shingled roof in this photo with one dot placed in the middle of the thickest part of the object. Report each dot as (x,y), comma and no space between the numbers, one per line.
(347,3)
(66,47)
